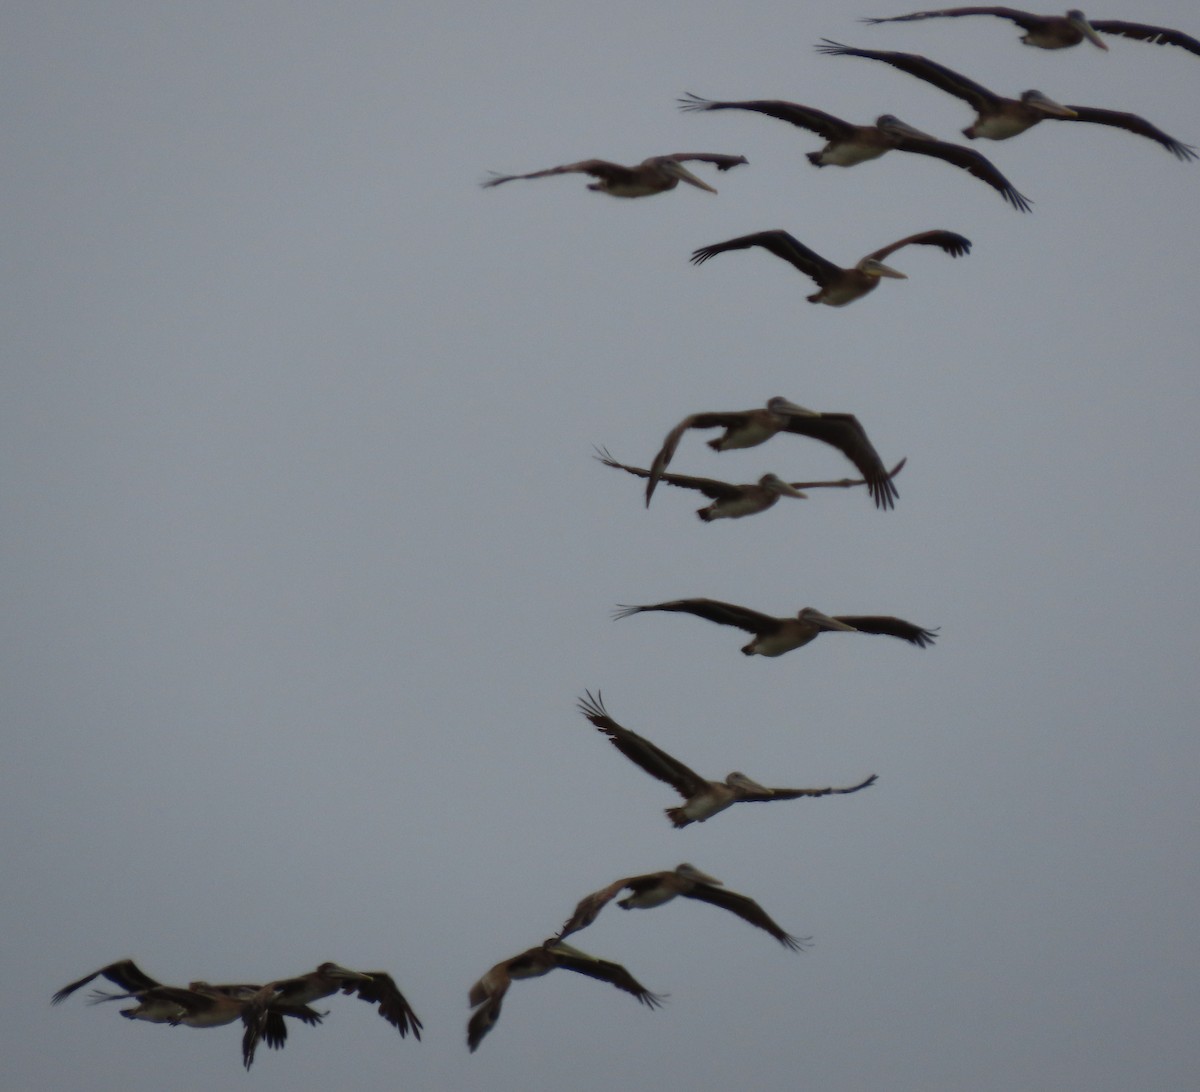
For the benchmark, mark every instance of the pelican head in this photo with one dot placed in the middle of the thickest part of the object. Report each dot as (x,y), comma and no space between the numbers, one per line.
(779,404)
(776,484)
(823,621)
(691,872)
(873,267)
(680,173)
(738,780)
(1079,21)
(342,974)
(1046,105)
(893,126)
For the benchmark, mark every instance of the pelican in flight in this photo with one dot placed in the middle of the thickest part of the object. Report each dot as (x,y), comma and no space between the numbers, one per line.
(999,118)
(734,501)
(749,428)
(847,144)
(374,987)
(488,993)
(1061,31)
(657,174)
(838,287)
(656,888)
(775,636)
(703,798)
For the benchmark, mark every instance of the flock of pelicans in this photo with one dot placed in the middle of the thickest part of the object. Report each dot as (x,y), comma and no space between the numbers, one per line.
(263,1009)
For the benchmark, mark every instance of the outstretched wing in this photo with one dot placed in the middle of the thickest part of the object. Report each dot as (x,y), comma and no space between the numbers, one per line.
(696,420)
(746,909)
(571,959)
(721,162)
(795,794)
(1144,33)
(951,242)
(805,117)
(124,973)
(588,908)
(974,163)
(782,245)
(597,168)
(890,627)
(655,761)
(946,79)
(484,1018)
(383,991)
(1023,19)
(1131,123)
(725,614)
(710,487)
(843,431)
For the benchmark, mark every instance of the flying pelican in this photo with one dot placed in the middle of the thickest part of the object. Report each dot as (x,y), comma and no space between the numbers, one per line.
(775,636)
(838,287)
(847,144)
(1061,31)
(749,428)
(704,798)
(999,118)
(375,987)
(657,174)
(734,501)
(488,993)
(656,888)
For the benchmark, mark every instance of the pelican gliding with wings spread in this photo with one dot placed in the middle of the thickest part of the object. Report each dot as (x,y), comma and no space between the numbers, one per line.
(657,174)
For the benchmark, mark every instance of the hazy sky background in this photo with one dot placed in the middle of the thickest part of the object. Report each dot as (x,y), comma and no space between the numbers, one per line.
(307,560)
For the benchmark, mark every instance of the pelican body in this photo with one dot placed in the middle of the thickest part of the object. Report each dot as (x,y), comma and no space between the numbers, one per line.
(999,118)
(658,174)
(488,993)
(1061,31)
(847,145)
(838,286)
(658,888)
(703,798)
(775,636)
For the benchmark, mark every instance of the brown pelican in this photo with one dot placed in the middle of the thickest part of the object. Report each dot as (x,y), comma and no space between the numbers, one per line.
(488,993)
(734,501)
(999,118)
(838,287)
(749,428)
(1061,31)
(775,636)
(704,798)
(375,987)
(657,174)
(687,880)
(847,144)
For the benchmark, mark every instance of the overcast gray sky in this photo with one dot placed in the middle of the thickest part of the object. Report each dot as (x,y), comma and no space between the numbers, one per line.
(307,560)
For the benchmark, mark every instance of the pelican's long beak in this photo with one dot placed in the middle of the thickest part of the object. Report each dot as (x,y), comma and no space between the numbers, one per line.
(347,975)
(892,125)
(888,271)
(773,481)
(826,622)
(686,176)
(1047,105)
(1079,22)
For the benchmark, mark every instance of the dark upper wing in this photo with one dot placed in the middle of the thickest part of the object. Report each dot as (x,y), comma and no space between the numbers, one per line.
(725,614)
(667,451)
(656,762)
(588,908)
(826,125)
(890,627)
(951,242)
(1144,33)
(383,991)
(953,83)
(710,487)
(843,431)
(484,1018)
(782,245)
(793,794)
(971,161)
(746,909)
(598,168)
(605,971)
(721,162)
(1131,123)
(1023,19)
(124,973)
